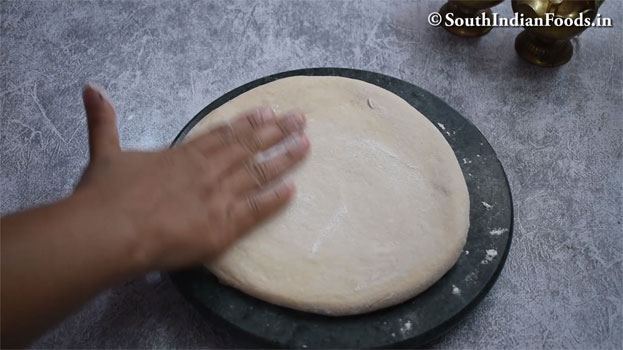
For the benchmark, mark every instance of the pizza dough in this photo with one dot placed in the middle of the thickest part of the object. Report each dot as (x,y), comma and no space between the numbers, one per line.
(381,210)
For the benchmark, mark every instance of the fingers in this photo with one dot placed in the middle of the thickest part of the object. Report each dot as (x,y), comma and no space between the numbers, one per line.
(227,134)
(248,211)
(247,145)
(242,127)
(261,170)
(102,124)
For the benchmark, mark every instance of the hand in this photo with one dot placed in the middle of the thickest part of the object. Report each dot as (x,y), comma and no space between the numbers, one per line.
(137,211)
(187,204)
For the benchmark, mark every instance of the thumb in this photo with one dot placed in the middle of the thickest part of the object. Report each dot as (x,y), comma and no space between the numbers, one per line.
(101,120)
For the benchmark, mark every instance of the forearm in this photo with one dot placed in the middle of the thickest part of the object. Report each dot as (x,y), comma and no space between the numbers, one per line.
(55,258)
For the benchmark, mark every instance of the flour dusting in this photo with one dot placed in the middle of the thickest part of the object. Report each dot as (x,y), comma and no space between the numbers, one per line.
(491,254)
(486,205)
(455,290)
(441,126)
(335,221)
(379,146)
(277,150)
(497,231)
(406,327)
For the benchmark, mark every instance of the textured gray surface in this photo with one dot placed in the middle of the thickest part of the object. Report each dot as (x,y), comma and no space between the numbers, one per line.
(557,132)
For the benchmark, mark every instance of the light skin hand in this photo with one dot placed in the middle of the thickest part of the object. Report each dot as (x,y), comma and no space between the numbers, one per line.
(194,200)
(137,211)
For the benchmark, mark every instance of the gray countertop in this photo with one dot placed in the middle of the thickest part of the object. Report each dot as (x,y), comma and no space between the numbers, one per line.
(557,132)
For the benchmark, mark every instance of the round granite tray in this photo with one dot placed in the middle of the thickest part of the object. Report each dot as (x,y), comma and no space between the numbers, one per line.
(417,321)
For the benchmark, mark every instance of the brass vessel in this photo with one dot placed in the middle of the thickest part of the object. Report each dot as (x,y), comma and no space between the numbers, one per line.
(550,46)
(466,9)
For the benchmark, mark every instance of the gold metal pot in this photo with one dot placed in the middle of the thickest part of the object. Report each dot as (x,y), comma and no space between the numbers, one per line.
(550,46)
(466,9)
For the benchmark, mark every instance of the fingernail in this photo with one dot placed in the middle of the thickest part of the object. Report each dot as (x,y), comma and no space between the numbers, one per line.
(296,121)
(266,113)
(297,143)
(284,187)
(99,91)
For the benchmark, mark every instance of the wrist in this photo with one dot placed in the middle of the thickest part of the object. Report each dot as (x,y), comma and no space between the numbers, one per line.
(114,231)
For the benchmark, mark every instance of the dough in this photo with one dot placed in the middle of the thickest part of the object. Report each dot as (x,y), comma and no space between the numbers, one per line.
(381,210)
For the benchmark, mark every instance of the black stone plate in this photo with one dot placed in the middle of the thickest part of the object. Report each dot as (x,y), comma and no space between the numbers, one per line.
(417,321)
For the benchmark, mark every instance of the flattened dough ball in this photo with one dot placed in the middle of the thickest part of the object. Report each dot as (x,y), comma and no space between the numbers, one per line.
(381,210)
